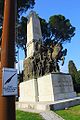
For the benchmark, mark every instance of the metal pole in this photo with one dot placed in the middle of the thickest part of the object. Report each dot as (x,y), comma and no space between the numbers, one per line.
(7,103)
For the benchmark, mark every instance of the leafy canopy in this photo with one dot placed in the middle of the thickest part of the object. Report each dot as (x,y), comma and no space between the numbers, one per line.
(21,38)
(57,29)
(75,75)
(22,6)
(72,68)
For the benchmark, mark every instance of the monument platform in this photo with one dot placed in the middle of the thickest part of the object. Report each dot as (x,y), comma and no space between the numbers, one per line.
(43,106)
(48,88)
(50,92)
(55,86)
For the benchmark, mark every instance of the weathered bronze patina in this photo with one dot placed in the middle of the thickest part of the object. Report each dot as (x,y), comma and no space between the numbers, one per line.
(44,61)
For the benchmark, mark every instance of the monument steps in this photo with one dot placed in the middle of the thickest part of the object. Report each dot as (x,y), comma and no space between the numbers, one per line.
(43,106)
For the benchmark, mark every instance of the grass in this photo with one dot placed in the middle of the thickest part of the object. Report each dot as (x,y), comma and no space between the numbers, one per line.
(72,113)
(78,94)
(20,115)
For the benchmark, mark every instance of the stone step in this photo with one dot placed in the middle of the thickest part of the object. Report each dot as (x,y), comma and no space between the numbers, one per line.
(61,104)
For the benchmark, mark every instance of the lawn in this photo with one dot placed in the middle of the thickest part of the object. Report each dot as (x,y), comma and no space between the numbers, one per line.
(72,113)
(20,115)
(78,94)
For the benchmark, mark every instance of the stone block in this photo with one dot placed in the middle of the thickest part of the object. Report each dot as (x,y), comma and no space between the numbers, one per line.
(56,86)
(49,88)
(28,91)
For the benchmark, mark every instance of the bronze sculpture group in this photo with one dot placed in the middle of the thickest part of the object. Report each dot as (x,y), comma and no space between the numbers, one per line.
(44,60)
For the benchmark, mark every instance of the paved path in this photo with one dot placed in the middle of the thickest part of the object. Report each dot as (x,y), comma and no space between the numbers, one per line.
(50,115)
(47,115)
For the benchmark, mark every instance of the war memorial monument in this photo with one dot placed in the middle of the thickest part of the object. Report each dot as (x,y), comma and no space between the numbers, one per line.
(44,86)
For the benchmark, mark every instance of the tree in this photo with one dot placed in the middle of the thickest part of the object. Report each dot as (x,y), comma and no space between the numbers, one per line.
(75,75)
(22,6)
(21,22)
(45,29)
(77,84)
(58,29)
(21,38)
(72,69)
(61,29)
(1,16)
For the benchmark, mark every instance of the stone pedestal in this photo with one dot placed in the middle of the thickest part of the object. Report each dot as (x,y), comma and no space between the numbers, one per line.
(54,87)
(28,91)
(49,88)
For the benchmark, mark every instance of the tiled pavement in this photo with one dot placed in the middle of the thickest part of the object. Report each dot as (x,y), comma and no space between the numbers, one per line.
(50,115)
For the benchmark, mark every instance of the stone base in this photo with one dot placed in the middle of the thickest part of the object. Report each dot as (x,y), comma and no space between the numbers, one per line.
(49,88)
(56,86)
(28,91)
(42,106)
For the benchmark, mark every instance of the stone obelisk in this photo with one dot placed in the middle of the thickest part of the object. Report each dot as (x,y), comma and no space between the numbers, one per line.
(7,103)
(33,32)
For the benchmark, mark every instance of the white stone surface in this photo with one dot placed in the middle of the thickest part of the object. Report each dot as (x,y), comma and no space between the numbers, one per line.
(49,88)
(33,32)
(46,106)
(28,91)
(53,87)
(45,88)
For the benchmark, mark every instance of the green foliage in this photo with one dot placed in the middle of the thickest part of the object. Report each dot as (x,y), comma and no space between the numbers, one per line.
(72,69)
(45,29)
(57,30)
(21,38)
(72,113)
(27,116)
(1,8)
(22,6)
(59,23)
(61,28)
(75,75)
(77,84)
(1,16)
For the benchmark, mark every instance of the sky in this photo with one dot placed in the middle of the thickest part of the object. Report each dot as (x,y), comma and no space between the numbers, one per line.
(70,9)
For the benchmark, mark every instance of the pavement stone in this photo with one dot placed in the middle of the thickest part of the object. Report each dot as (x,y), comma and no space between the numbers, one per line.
(47,115)
(50,115)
